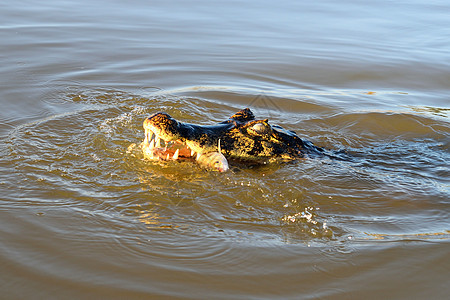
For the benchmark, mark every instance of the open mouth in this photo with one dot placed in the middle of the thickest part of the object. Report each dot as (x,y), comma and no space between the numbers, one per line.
(156,148)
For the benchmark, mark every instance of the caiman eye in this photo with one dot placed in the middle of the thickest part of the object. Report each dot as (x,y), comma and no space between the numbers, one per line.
(261,128)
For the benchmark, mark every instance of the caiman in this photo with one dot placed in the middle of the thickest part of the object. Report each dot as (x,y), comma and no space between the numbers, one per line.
(241,138)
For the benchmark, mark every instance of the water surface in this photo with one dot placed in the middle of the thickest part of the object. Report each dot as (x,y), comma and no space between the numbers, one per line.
(83,215)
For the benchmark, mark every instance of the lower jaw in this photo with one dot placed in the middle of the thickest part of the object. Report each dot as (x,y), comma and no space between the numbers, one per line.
(165,154)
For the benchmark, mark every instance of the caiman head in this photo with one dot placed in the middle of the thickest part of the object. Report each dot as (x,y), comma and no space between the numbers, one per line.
(241,138)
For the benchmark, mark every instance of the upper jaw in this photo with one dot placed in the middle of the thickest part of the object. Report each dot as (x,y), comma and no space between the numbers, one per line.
(163,125)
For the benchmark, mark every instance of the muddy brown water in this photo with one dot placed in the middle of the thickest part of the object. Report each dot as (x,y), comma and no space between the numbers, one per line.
(84,216)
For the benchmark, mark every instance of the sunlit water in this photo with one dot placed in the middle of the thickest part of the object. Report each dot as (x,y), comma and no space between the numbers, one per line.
(84,215)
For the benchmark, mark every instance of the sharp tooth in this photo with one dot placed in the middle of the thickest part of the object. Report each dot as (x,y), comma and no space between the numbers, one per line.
(146,137)
(158,142)
(192,152)
(152,144)
(198,156)
(168,157)
(175,156)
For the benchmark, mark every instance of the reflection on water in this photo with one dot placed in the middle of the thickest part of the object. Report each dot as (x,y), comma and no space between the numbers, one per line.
(84,215)
(151,218)
(412,237)
(440,112)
